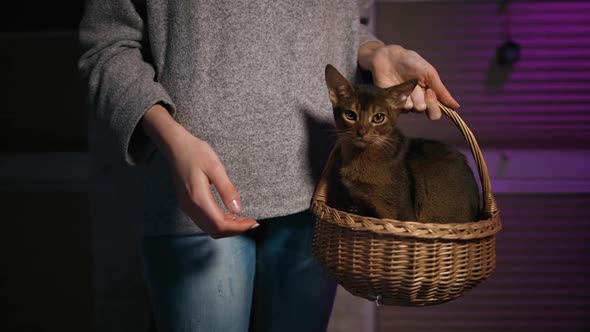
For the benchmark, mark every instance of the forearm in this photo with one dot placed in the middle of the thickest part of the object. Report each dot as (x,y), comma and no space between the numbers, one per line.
(120,82)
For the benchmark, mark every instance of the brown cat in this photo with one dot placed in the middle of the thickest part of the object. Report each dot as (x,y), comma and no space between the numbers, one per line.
(388,175)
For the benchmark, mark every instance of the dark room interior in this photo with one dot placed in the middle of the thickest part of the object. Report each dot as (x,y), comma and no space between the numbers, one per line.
(528,107)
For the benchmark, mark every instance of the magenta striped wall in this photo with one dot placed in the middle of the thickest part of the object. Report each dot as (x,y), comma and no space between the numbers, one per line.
(542,281)
(542,101)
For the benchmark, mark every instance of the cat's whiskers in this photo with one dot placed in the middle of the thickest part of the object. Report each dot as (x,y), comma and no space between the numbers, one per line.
(347,136)
(339,134)
(386,143)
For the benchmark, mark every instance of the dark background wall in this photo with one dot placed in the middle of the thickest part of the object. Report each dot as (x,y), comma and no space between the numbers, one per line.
(42,104)
(46,273)
(46,265)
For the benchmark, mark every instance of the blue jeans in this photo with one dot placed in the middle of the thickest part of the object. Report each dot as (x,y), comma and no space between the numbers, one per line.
(265,280)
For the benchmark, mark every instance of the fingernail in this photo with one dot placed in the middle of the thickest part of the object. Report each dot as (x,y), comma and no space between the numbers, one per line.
(235,206)
(255,225)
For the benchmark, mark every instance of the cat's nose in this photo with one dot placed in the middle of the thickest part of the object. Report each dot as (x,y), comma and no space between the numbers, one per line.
(361,132)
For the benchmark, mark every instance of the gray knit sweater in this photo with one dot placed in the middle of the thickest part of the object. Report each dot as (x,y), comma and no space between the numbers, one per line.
(245,76)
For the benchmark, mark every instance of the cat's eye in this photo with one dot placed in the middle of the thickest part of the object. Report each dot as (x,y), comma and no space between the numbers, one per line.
(350,115)
(378,118)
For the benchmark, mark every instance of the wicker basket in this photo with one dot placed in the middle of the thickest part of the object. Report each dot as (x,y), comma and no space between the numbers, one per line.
(404,262)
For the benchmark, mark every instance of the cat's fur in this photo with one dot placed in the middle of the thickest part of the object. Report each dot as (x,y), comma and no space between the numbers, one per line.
(388,175)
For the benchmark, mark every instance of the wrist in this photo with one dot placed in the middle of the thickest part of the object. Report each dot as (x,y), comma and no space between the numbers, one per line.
(373,56)
(161,128)
(366,54)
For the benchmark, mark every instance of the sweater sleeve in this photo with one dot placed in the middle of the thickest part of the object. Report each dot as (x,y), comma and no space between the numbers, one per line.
(121,82)
(365,34)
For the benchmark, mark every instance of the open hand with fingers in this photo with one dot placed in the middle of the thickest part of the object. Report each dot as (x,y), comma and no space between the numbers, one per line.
(196,167)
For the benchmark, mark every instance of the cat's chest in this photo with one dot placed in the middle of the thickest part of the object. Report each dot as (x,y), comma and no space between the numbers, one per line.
(366,172)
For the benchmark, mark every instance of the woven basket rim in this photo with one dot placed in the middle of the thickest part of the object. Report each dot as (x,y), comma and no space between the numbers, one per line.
(414,229)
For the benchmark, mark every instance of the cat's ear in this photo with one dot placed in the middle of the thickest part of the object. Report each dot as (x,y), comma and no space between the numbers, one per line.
(398,94)
(339,88)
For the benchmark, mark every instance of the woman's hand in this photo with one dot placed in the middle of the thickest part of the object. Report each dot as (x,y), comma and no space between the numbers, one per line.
(393,64)
(196,167)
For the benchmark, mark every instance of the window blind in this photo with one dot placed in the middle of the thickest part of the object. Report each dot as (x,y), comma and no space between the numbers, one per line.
(541,101)
(542,279)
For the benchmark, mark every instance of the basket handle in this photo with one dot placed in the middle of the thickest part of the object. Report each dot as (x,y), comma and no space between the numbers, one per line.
(489,206)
